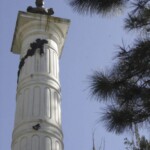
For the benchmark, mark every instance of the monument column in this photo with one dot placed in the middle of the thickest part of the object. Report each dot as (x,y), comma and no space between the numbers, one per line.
(38,39)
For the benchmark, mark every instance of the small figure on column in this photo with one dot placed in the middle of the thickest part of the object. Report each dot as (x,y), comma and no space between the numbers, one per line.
(40,8)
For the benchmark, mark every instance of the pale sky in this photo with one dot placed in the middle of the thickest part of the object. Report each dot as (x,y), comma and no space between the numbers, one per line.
(90,45)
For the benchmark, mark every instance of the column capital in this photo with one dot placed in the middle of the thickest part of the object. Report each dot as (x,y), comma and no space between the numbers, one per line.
(39,26)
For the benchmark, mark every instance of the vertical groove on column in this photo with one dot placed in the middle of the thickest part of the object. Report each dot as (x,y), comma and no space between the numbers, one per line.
(56,106)
(52,105)
(57,145)
(56,66)
(16,146)
(32,64)
(47,103)
(29,143)
(37,62)
(54,73)
(23,143)
(50,61)
(35,142)
(42,102)
(47,143)
(54,63)
(59,111)
(30,109)
(47,61)
(43,63)
(36,101)
(53,55)
(26,104)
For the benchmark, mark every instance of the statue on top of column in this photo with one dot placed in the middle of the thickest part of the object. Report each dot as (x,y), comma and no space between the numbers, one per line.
(40,8)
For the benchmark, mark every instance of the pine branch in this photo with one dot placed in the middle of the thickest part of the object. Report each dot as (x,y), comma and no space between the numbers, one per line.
(102,7)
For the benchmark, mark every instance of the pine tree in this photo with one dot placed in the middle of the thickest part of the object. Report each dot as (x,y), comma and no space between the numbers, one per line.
(126,87)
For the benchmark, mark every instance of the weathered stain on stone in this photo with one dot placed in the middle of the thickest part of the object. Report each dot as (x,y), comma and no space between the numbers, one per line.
(39,44)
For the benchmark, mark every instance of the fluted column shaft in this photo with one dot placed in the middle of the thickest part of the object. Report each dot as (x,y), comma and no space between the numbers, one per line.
(38,101)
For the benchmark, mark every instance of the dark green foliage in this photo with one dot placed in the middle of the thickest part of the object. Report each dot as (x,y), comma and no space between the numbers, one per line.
(144,144)
(139,17)
(97,6)
(126,88)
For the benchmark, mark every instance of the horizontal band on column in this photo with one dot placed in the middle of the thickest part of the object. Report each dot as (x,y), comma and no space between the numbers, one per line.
(45,127)
(39,78)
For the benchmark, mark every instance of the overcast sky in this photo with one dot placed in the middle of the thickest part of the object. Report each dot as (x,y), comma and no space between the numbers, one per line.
(91,45)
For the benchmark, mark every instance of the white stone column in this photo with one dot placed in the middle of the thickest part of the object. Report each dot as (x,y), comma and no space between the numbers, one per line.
(39,40)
